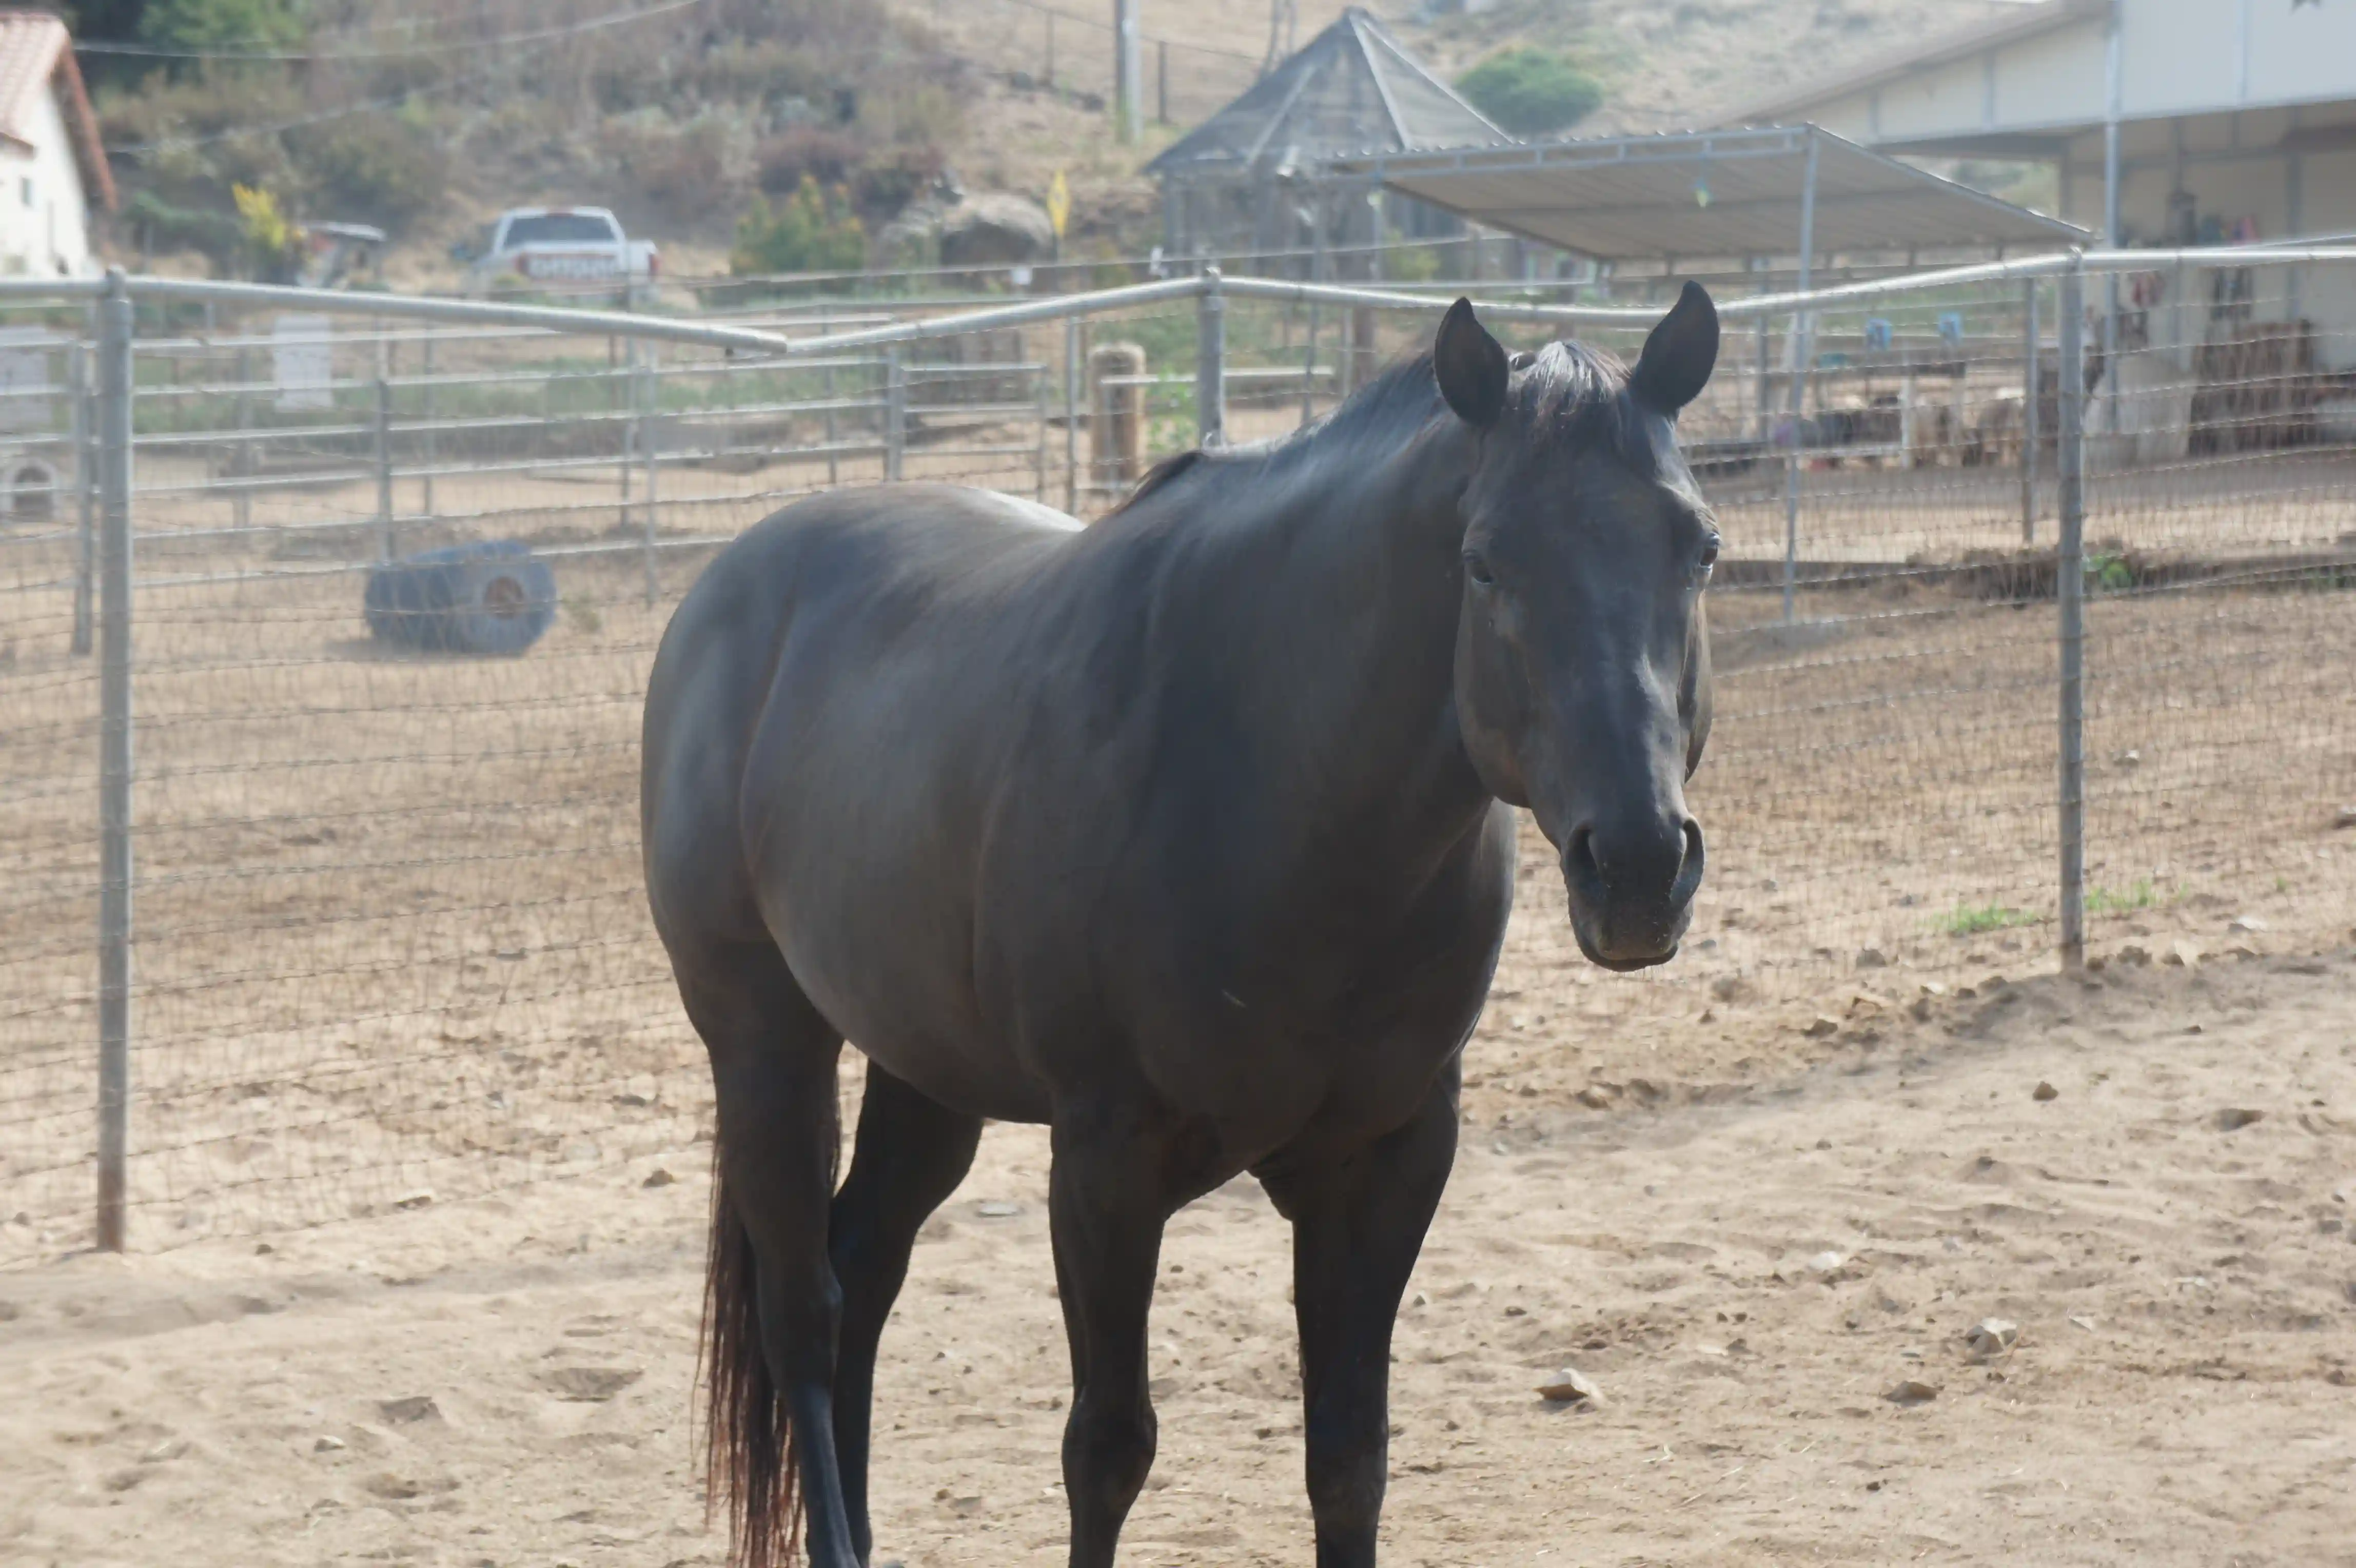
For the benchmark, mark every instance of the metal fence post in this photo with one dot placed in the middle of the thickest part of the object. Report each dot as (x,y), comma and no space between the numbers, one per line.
(895,413)
(1072,414)
(426,480)
(114,389)
(1210,361)
(241,455)
(833,431)
(1804,326)
(1317,270)
(2029,414)
(1761,393)
(1039,453)
(2069,594)
(632,436)
(647,394)
(85,492)
(384,540)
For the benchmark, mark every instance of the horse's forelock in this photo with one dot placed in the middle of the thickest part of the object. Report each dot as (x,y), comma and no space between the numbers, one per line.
(1574,395)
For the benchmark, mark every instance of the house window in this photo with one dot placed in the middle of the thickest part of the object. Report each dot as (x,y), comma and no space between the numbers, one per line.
(28,184)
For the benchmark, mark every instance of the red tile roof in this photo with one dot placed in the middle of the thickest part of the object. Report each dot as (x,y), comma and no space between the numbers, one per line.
(37,52)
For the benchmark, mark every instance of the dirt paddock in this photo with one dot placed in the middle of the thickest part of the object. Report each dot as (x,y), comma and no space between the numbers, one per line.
(1747,1256)
(415,1116)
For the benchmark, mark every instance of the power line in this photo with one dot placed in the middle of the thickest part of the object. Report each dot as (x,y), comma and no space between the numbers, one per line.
(412,51)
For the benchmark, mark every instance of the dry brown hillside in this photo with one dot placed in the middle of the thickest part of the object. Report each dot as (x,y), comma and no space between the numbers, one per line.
(1665,66)
(682,119)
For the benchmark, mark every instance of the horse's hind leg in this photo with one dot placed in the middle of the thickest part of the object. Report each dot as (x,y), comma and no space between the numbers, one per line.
(911,1154)
(772,1305)
(1357,1224)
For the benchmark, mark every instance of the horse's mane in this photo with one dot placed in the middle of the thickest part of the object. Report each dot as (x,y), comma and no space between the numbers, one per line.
(1567,393)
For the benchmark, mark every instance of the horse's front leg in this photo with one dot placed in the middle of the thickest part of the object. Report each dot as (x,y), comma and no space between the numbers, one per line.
(1358,1221)
(1109,1196)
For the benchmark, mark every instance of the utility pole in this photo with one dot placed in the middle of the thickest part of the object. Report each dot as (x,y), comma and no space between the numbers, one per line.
(1128,80)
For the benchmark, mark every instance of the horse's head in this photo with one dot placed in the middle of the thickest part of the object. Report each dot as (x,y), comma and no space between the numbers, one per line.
(1583,659)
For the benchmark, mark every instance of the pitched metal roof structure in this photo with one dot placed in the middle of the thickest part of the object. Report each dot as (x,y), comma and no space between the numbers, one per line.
(1351,89)
(35,50)
(1712,193)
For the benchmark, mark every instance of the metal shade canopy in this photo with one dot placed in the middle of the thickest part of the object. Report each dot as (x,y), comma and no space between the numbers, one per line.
(1708,193)
(1353,88)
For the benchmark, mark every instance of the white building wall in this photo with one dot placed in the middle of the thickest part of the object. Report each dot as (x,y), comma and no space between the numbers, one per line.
(2176,57)
(2297,53)
(44,227)
(1951,98)
(2056,80)
(2179,57)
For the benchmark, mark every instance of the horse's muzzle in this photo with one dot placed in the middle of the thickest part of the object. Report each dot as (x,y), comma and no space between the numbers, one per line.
(1631,892)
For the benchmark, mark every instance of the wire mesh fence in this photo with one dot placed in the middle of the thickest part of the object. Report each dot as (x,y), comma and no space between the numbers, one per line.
(391,938)
(2221,737)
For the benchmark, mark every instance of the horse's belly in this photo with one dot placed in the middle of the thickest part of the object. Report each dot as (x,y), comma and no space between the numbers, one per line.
(890,968)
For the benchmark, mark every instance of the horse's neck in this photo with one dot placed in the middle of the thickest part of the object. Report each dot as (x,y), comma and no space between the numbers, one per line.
(1356,635)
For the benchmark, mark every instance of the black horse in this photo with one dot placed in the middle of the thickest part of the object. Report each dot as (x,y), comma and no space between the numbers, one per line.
(1182,834)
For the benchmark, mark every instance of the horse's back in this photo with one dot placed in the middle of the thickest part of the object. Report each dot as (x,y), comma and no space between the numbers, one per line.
(812,622)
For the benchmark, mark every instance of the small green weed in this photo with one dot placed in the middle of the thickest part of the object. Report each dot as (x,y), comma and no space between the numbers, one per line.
(583,617)
(2109,573)
(1973,920)
(2103,901)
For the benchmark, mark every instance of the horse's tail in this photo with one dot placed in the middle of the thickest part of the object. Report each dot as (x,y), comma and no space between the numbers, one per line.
(749,1440)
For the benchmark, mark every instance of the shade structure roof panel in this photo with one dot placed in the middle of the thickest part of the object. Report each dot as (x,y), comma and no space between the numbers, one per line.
(1717,193)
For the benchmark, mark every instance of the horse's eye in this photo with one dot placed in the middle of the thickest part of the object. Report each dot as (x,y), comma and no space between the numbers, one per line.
(1708,556)
(1478,569)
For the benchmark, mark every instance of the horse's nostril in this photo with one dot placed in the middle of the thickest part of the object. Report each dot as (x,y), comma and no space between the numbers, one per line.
(1579,854)
(1689,873)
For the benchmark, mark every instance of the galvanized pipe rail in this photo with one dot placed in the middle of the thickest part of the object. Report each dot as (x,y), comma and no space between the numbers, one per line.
(108,422)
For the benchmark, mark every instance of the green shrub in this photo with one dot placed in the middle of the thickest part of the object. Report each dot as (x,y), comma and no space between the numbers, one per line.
(274,245)
(889,183)
(812,231)
(1414,263)
(229,24)
(386,170)
(826,153)
(1530,92)
(161,226)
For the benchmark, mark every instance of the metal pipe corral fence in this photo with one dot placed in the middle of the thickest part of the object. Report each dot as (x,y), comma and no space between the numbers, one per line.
(2070,595)
(115,378)
(388,933)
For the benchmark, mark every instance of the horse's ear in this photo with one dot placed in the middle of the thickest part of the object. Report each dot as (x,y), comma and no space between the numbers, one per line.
(1679,355)
(1471,366)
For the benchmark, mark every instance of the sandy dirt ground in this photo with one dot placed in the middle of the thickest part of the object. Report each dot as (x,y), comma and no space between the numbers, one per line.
(407,1061)
(1747,1264)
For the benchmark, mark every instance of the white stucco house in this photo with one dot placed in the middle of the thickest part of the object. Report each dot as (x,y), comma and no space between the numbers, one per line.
(52,167)
(2170,123)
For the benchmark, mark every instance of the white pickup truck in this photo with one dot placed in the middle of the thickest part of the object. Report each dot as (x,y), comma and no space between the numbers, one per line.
(561,250)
